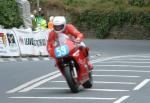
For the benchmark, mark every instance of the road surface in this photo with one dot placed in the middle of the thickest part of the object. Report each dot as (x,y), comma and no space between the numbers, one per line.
(121,75)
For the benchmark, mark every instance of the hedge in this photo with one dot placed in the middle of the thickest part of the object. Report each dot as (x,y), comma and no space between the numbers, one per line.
(102,22)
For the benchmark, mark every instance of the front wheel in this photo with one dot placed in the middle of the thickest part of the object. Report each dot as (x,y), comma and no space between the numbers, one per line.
(89,83)
(70,80)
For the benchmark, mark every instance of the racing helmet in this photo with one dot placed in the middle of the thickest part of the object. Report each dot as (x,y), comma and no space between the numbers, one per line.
(59,23)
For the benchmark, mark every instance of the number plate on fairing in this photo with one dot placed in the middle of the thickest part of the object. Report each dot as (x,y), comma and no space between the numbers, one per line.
(61,51)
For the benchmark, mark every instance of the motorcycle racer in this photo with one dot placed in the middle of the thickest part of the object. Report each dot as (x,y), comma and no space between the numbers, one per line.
(60,26)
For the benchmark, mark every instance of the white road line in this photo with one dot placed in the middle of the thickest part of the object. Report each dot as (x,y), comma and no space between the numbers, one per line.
(46,58)
(143,56)
(129,62)
(45,76)
(121,99)
(35,59)
(92,56)
(139,56)
(102,82)
(137,71)
(142,84)
(58,81)
(1,60)
(64,98)
(12,59)
(106,90)
(31,82)
(116,57)
(123,76)
(40,83)
(98,54)
(24,59)
(122,66)
(133,59)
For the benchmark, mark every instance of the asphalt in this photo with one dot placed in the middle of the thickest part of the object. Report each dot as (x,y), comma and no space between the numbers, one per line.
(121,75)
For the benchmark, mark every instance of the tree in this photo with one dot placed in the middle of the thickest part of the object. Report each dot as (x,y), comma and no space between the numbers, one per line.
(9,14)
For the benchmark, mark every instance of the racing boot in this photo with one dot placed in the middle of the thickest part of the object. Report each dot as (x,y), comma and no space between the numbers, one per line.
(85,51)
(89,64)
(88,61)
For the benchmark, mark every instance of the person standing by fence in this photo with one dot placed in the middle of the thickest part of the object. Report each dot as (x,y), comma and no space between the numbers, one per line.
(50,23)
(38,21)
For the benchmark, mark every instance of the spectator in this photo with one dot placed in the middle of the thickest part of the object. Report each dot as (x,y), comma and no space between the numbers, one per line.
(50,23)
(38,21)
(33,17)
(41,21)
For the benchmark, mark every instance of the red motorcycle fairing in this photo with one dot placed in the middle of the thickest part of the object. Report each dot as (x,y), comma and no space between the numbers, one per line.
(80,62)
(75,55)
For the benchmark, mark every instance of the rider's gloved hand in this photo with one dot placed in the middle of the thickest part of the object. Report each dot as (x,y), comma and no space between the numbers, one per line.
(77,40)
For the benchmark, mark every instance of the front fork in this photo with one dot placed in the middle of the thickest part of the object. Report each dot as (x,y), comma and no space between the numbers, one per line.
(71,65)
(74,72)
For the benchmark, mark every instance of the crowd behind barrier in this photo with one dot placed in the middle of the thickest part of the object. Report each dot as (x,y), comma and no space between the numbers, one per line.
(23,42)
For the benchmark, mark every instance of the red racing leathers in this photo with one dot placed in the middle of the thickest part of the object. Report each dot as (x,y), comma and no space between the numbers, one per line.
(69,30)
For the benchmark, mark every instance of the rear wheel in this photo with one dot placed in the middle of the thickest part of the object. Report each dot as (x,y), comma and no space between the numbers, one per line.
(70,80)
(89,83)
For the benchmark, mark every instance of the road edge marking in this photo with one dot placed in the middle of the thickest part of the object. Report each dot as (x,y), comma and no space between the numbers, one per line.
(31,82)
(119,76)
(40,83)
(142,84)
(121,99)
(114,57)
(60,88)
(64,98)
(93,61)
(101,82)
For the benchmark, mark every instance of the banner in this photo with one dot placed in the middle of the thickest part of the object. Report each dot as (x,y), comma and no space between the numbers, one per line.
(26,41)
(23,42)
(8,43)
(3,43)
(40,42)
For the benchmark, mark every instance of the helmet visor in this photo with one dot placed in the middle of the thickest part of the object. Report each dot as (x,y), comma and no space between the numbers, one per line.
(58,27)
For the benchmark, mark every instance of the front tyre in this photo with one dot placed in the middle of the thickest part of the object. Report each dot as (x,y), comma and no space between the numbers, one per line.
(89,83)
(70,80)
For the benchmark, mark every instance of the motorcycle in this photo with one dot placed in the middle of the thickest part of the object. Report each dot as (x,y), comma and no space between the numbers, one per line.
(72,63)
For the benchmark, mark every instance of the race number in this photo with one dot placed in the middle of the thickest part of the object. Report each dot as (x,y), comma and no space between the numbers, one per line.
(61,51)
